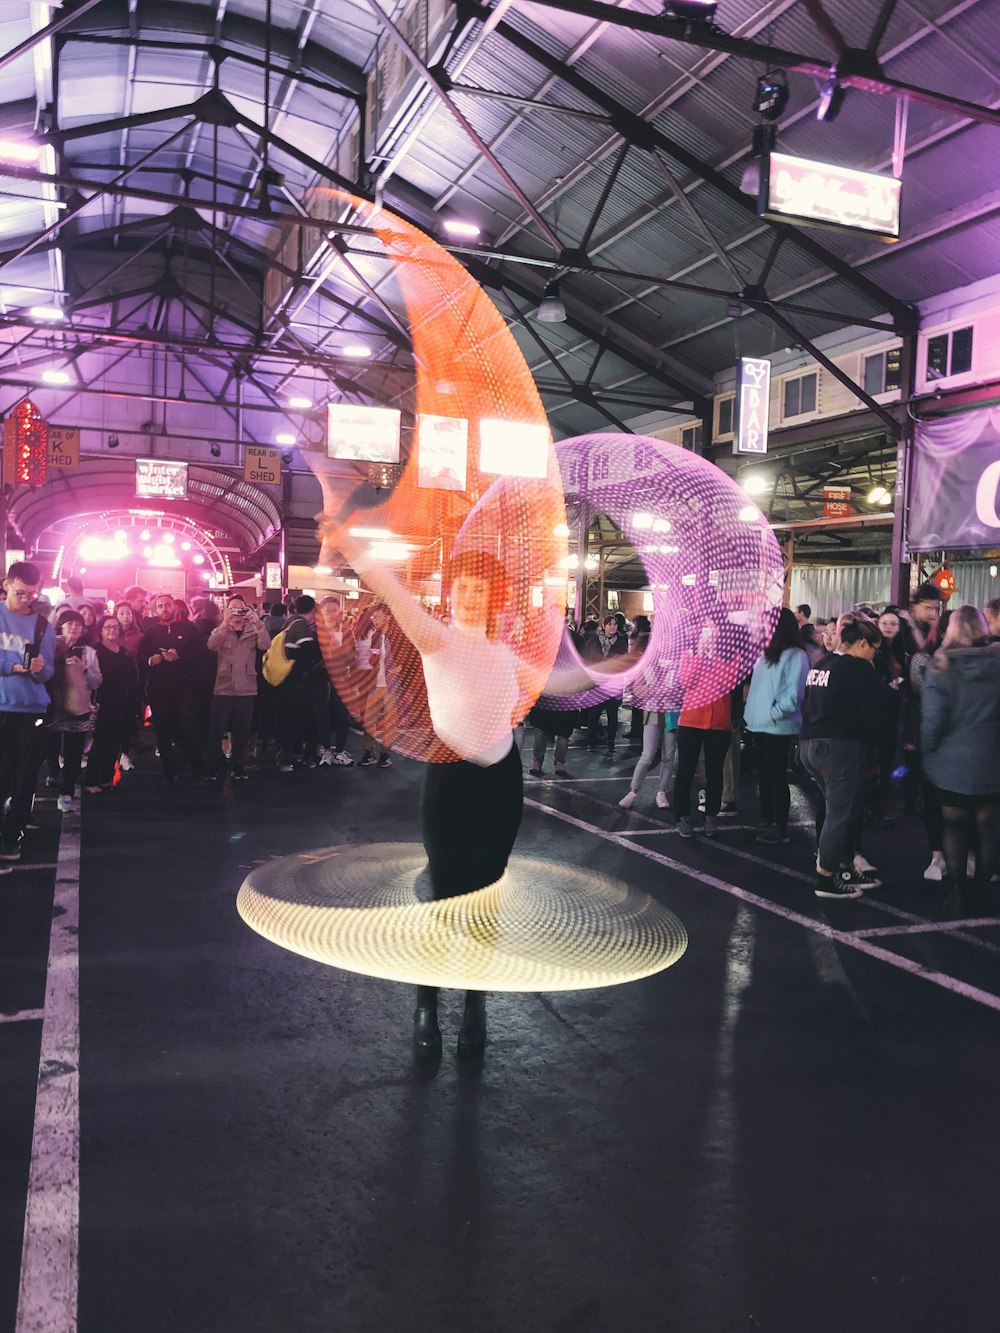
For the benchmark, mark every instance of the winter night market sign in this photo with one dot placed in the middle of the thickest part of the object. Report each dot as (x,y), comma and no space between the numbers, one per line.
(25,445)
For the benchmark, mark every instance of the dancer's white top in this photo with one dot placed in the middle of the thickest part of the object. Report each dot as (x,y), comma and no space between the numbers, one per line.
(472,690)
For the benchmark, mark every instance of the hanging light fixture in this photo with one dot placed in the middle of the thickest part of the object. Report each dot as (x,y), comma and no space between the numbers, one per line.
(831,99)
(552,309)
(771,95)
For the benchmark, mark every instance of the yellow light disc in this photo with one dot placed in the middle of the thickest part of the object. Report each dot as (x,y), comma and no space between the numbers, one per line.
(544,926)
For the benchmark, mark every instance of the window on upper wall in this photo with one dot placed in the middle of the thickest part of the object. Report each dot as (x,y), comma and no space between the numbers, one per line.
(800,396)
(882,371)
(949,354)
(725,412)
(691,437)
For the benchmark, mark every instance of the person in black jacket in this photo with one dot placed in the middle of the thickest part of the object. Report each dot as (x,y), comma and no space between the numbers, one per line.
(116,702)
(167,652)
(608,642)
(844,704)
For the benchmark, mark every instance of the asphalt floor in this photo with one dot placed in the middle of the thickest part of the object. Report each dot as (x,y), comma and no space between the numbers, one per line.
(793,1128)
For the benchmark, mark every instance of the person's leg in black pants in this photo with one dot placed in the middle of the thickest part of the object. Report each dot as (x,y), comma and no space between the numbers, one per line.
(73,747)
(689,741)
(109,739)
(22,744)
(240,720)
(611,712)
(164,710)
(593,721)
(717,745)
(772,779)
(469,819)
(340,721)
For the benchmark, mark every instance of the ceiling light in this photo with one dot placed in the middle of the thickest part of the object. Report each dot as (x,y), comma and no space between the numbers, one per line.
(55,377)
(357,350)
(215,451)
(831,99)
(692,11)
(552,310)
(878,495)
(51,312)
(771,96)
(886,500)
(284,438)
(300,402)
(113,441)
(461,227)
(18,150)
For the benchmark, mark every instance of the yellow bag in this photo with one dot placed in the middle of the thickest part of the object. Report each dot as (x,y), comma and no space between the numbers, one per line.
(277,664)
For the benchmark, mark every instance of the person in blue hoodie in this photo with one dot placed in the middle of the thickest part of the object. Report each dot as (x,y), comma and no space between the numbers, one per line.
(773,715)
(27,657)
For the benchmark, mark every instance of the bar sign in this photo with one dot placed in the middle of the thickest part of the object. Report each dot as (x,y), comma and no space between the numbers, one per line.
(753,396)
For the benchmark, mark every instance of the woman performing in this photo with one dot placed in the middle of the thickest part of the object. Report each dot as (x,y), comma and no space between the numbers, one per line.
(478,689)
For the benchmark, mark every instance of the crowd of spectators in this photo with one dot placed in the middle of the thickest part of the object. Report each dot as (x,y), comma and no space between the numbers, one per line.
(877,710)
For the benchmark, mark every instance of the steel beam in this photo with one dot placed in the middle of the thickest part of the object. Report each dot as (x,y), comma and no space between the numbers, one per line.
(439,91)
(48,31)
(714,39)
(642,133)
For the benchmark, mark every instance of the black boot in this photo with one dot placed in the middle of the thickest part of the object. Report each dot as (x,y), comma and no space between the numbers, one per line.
(426,1033)
(472,1033)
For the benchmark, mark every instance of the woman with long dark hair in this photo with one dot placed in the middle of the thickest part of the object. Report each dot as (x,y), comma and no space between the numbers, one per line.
(960,736)
(773,716)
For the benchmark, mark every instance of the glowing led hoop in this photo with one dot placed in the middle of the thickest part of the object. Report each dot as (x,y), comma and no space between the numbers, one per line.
(544,926)
(467,367)
(710,558)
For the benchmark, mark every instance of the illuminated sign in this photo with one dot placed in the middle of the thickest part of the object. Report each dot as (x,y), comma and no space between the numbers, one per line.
(64,446)
(442,450)
(262,465)
(836,501)
(156,478)
(514,448)
(823,195)
(272,574)
(362,434)
(753,394)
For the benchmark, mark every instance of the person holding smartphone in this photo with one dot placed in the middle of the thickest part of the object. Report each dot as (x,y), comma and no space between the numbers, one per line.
(75,680)
(236,642)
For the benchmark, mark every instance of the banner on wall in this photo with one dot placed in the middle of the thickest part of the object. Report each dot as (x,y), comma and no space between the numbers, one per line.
(955,483)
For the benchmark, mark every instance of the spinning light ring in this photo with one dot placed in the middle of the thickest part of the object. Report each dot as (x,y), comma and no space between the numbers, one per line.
(712,562)
(544,926)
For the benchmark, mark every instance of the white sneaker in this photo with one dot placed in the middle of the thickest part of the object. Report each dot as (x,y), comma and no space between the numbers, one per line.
(937,869)
(627,801)
(325,758)
(343,758)
(662,801)
(66,805)
(126,763)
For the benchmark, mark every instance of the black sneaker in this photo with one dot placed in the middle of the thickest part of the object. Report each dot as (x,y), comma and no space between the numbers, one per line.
(727,809)
(11,851)
(385,762)
(239,773)
(840,885)
(367,760)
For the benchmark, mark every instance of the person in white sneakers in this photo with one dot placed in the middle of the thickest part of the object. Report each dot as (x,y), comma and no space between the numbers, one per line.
(659,732)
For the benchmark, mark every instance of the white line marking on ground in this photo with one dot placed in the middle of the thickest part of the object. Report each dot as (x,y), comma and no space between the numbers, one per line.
(847,938)
(23,1016)
(47,1296)
(931,927)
